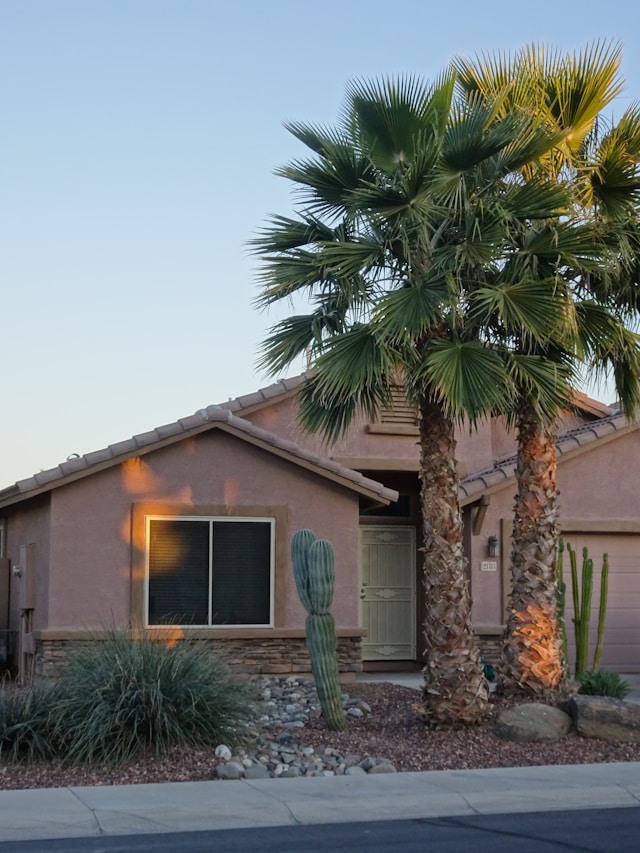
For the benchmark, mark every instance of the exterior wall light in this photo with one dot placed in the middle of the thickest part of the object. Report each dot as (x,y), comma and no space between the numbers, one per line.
(493,546)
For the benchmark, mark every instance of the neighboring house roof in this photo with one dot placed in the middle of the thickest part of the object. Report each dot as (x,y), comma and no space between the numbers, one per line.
(213,417)
(569,443)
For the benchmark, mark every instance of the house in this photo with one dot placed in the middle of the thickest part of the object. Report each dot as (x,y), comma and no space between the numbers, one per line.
(186,529)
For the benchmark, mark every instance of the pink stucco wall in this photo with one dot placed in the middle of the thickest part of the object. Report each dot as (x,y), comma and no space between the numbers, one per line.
(476,448)
(599,484)
(29,525)
(91,522)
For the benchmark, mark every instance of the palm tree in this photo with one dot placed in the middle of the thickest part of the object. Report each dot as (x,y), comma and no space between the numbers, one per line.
(568,94)
(408,209)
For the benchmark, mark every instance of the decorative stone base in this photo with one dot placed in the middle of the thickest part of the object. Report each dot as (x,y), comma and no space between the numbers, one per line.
(490,640)
(252,656)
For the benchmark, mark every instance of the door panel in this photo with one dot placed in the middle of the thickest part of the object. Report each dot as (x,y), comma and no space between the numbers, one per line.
(388,592)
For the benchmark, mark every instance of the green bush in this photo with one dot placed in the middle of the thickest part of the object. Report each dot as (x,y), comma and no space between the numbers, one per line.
(119,697)
(600,682)
(25,722)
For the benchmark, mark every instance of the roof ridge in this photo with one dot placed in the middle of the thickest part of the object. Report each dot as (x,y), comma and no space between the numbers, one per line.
(168,433)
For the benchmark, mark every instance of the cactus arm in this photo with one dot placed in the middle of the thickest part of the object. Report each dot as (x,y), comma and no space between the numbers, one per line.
(576,597)
(602,611)
(301,541)
(585,612)
(322,575)
(562,598)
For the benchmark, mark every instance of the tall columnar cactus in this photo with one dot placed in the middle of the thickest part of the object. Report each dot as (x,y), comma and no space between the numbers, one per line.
(582,591)
(602,611)
(562,598)
(314,573)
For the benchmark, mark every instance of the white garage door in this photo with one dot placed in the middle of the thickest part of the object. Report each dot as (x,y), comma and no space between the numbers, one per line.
(621,651)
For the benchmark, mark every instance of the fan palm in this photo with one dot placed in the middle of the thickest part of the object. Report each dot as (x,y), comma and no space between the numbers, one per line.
(409,209)
(568,94)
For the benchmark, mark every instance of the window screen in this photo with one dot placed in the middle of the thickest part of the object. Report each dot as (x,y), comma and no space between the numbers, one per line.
(209,572)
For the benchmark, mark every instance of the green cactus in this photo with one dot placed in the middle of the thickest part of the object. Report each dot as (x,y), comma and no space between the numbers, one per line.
(602,611)
(585,613)
(314,573)
(582,591)
(300,544)
(562,598)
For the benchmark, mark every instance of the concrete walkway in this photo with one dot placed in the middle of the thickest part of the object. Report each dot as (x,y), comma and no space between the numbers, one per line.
(187,806)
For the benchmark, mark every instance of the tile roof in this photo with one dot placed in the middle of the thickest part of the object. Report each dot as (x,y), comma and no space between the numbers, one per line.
(213,417)
(263,396)
(288,387)
(503,470)
(223,416)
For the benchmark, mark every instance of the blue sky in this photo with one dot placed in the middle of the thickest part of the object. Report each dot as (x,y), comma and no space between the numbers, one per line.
(139,139)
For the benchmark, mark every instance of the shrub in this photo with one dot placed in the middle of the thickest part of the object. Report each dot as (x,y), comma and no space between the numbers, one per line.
(25,722)
(600,682)
(120,697)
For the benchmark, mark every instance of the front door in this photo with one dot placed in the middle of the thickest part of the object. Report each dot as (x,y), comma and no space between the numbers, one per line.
(388,592)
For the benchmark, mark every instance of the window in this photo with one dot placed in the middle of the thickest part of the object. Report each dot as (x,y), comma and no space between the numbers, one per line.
(210,571)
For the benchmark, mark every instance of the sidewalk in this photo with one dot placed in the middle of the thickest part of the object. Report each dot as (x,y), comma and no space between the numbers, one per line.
(188,806)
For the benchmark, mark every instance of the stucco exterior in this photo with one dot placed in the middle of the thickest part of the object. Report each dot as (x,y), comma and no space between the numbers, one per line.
(251,458)
(92,536)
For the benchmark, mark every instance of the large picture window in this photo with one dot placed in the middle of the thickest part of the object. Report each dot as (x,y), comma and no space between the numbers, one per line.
(209,571)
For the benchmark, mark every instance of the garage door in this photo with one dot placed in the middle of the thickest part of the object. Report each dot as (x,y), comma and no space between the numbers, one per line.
(621,651)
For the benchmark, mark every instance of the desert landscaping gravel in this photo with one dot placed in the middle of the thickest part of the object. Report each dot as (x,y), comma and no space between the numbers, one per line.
(385,726)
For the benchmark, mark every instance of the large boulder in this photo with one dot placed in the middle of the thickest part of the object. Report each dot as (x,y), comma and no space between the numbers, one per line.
(533,722)
(605,718)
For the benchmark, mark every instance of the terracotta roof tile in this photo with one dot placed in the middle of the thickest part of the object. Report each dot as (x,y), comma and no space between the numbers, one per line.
(74,463)
(192,421)
(145,438)
(28,484)
(48,476)
(98,456)
(169,430)
(264,395)
(122,447)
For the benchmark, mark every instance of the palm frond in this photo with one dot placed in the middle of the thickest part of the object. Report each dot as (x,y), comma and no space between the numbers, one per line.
(403,316)
(466,378)
(527,310)
(355,373)
(546,384)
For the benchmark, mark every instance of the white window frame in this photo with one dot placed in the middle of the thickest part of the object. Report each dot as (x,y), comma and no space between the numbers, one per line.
(211,519)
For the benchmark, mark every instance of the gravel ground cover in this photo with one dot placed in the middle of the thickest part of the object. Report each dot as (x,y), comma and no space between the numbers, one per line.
(393,729)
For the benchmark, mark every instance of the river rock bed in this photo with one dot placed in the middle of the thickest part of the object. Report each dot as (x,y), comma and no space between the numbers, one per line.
(277,748)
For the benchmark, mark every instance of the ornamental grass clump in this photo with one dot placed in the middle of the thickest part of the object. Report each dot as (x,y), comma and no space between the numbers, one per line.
(25,722)
(122,696)
(601,682)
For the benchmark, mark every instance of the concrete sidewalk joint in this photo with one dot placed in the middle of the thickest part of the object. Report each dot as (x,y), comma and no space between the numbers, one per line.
(190,806)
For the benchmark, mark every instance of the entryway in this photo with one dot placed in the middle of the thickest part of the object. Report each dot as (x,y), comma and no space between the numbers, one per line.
(388,592)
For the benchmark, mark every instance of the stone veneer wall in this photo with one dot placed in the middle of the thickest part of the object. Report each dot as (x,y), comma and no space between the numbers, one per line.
(490,648)
(284,656)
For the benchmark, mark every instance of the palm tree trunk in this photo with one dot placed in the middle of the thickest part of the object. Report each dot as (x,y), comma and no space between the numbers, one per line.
(532,652)
(455,689)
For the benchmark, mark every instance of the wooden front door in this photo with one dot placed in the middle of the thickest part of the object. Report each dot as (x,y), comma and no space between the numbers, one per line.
(388,592)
